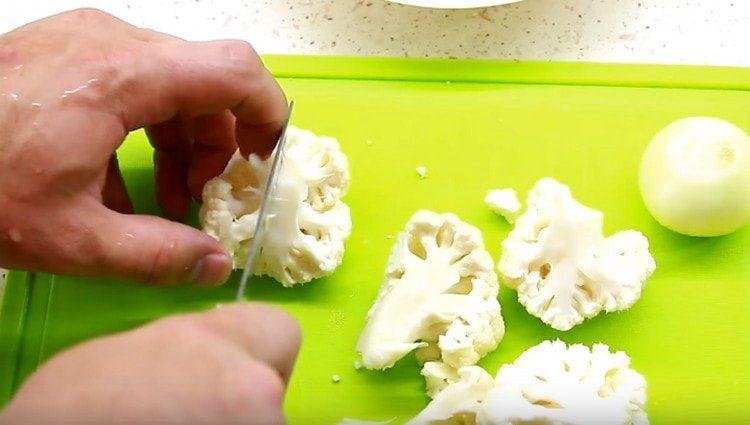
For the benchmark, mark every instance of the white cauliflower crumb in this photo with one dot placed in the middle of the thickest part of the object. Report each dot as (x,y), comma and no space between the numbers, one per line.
(549,384)
(459,401)
(439,297)
(561,265)
(358,364)
(422,171)
(504,202)
(438,376)
(335,379)
(310,222)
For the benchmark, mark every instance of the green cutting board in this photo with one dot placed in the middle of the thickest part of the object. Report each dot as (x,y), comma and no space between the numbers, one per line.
(475,125)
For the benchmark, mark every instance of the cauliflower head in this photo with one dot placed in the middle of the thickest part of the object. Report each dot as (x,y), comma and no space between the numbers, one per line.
(561,265)
(308,220)
(439,297)
(552,384)
(549,384)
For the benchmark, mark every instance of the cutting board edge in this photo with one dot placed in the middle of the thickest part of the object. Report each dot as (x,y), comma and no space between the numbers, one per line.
(507,71)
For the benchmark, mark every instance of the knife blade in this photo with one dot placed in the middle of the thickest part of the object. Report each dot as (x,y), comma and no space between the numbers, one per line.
(260,225)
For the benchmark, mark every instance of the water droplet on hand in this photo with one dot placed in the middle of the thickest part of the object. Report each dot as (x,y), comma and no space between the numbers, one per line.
(15,235)
(88,84)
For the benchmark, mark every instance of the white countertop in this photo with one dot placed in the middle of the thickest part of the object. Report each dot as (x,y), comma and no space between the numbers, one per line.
(714,32)
(703,32)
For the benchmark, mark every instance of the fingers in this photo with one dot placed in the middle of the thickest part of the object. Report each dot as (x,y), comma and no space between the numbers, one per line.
(154,250)
(188,153)
(268,333)
(115,194)
(214,146)
(171,159)
(194,79)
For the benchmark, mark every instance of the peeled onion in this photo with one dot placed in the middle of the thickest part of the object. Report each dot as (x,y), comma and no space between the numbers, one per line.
(695,177)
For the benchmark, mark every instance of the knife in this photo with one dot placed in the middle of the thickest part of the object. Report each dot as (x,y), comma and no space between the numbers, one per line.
(260,225)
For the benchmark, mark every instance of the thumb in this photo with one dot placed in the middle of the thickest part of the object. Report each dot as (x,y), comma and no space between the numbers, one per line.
(158,251)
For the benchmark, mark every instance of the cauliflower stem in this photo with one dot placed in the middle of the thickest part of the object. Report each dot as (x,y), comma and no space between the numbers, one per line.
(439,297)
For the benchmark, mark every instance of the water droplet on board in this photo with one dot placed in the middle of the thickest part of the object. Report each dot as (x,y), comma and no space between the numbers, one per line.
(336,320)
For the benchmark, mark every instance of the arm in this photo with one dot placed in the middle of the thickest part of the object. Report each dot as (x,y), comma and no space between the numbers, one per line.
(227,365)
(71,88)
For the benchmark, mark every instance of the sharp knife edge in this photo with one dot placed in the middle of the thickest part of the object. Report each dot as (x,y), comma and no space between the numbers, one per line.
(260,225)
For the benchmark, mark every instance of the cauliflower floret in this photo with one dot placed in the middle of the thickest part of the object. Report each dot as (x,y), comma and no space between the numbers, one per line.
(562,266)
(554,384)
(459,402)
(309,221)
(439,296)
(549,384)
(438,376)
(504,202)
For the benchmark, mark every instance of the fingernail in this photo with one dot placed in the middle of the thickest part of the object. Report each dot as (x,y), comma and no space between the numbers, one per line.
(211,270)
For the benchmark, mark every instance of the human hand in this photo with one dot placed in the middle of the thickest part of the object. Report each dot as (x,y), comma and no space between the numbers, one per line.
(226,365)
(71,87)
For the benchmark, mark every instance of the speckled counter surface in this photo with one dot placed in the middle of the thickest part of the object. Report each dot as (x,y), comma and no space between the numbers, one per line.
(714,32)
(702,32)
